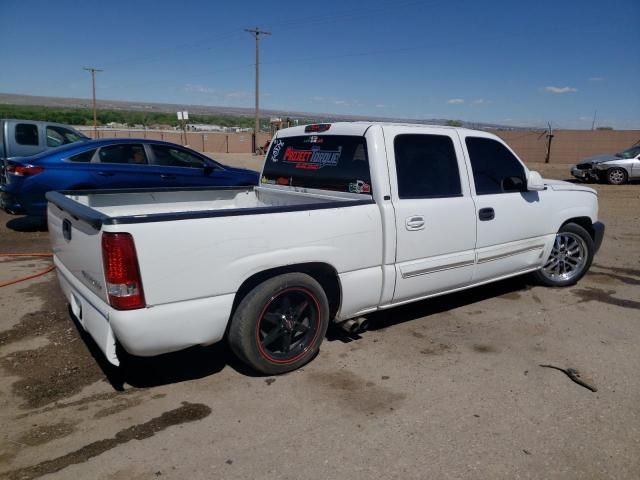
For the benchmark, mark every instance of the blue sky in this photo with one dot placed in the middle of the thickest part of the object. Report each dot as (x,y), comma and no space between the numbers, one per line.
(508,62)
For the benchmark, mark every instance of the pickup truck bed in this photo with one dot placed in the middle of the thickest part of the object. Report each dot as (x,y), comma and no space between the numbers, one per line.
(137,205)
(232,233)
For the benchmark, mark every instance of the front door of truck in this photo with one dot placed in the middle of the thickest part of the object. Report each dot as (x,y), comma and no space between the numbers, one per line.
(435,214)
(513,223)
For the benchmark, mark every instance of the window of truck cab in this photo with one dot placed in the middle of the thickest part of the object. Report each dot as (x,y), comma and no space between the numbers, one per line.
(326,162)
(495,168)
(426,166)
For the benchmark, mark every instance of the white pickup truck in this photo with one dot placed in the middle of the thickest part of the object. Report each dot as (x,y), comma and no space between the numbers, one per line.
(349,218)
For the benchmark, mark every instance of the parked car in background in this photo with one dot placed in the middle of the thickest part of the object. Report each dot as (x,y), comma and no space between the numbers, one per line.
(22,138)
(616,169)
(111,164)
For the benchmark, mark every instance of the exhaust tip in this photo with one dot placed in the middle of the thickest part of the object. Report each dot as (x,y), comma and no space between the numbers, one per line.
(350,326)
(363,323)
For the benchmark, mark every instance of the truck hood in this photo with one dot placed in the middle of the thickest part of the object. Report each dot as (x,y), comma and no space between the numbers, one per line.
(561,185)
(599,159)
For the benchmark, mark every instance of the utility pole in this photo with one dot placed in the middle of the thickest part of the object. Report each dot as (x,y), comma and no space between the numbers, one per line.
(593,124)
(93,81)
(257,32)
(550,136)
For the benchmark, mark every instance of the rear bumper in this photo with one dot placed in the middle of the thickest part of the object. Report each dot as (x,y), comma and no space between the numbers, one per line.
(598,235)
(147,331)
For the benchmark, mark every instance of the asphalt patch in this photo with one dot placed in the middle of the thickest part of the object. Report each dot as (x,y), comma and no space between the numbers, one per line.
(61,368)
(188,412)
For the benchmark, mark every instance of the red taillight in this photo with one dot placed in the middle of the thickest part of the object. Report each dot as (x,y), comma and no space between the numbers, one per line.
(317,127)
(124,285)
(24,170)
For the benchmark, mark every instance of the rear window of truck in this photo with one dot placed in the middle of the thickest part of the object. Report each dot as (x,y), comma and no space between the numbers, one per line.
(327,162)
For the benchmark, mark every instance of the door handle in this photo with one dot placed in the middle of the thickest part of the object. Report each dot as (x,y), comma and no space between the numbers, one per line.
(485,214)
(105,174)
(416,222)
(167,177)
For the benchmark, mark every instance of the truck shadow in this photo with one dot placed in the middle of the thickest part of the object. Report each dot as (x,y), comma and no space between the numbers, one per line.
(199,362)
(413,311)
(146,372)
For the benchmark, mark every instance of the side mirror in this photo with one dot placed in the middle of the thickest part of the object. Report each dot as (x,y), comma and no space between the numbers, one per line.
(534,182)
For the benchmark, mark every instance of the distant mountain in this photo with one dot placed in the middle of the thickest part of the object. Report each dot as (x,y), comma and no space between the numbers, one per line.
(63,102)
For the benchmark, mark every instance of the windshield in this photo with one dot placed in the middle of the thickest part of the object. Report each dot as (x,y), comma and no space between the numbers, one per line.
(632,152)
(326,162)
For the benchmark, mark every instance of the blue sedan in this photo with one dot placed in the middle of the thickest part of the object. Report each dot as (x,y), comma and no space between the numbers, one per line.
(110,163)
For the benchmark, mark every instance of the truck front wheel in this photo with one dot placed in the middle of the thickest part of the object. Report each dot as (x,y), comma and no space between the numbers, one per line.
(280,324)
(570,257)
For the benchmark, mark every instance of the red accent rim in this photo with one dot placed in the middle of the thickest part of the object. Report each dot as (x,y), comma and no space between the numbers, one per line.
(277,296)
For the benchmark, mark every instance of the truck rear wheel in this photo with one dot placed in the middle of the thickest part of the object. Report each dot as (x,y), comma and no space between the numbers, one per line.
(280,324)
(570,257)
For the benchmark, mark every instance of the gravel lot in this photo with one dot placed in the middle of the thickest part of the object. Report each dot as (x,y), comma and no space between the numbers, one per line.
(447,388)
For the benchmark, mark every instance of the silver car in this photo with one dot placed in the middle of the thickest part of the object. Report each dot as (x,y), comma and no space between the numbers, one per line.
(615,169)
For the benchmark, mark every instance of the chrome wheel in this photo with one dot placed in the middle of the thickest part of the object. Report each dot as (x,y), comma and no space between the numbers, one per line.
(617,176)
(568,258)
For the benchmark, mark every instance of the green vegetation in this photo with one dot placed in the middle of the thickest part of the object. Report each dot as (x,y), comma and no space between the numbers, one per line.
(84,116)
(604,128)
(454,123)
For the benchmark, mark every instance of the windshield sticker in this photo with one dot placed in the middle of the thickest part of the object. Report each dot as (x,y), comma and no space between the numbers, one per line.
(314,139)
(313,159)
(359,186)
(275,151)
(264,179)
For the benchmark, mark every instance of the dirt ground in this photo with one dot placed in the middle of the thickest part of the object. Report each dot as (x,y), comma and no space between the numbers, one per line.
(446,388)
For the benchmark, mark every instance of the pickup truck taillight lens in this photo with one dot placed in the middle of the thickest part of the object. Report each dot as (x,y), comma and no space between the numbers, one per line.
(24,170)
(124,285)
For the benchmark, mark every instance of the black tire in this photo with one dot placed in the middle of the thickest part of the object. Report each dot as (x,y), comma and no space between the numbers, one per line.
(570,238)
(617,176)
(280,324)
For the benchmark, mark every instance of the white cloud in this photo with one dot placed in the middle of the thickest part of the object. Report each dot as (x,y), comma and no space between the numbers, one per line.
(455,101)
(236,94)
(481,101)
(585,119)
(317,99)
(596,79)
(561,89)
(380,105)
(340,102)
(198,88)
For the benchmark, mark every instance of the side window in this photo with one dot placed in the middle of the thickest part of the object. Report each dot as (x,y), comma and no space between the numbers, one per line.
(127,153)
(495,168)
(54,138)
(174,157)
(26,134)
(427,166)
(83,157)
(57,136)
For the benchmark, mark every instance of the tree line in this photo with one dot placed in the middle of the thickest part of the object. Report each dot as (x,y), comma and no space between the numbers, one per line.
(84,116)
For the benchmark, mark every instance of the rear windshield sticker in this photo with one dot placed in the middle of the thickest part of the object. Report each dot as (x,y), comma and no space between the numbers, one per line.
(312,159)
(269,181)
(275,151)
(359,186)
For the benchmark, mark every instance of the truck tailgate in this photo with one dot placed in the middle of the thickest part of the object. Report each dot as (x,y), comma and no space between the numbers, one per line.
(77,245)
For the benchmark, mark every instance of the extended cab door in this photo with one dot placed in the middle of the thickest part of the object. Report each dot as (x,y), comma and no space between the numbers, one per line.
(513,224)
(435,214)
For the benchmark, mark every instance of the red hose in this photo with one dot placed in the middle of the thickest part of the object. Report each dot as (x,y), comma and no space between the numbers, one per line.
(28,277)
